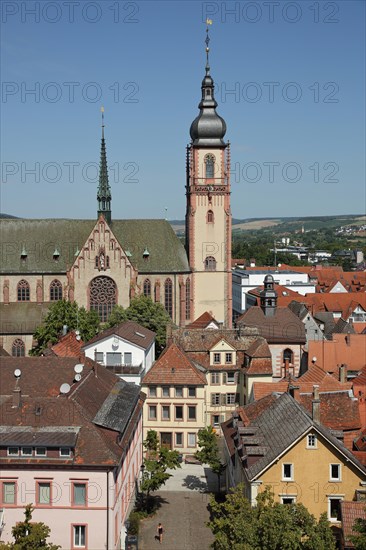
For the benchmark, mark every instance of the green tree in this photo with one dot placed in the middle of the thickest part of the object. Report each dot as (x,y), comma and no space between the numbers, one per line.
(359,538)
(209,452)
(29,535)
(268,526)
(156,463)
(64,313)
(149,314)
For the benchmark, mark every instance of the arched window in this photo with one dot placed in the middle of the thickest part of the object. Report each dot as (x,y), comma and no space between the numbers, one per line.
(55,291)
(210,166)
(210,216)
(210,263)
(102,296)
(23,291)
(188,300)
(97,262)
(147,288)
(288,355)
(18,348)
(168,295)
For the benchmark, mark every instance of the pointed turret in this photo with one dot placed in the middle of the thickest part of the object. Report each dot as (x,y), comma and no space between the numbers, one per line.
(208,129)
(104,196)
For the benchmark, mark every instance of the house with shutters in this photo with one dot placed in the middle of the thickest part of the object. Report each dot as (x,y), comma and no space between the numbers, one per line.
(276,442)
(175,405)
(71,444)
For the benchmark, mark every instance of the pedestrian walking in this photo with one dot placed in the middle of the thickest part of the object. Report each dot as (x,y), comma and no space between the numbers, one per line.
(160,532)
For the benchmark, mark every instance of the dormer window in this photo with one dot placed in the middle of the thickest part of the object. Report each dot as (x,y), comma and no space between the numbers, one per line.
(65,452)
(23,253)
(56,254)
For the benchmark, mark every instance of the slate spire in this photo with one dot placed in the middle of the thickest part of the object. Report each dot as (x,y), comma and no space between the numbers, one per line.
(104,196)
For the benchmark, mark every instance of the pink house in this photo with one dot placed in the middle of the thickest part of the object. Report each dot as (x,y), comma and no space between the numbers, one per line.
(71,444)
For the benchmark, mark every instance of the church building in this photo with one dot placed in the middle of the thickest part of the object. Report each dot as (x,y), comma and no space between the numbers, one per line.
(103,262)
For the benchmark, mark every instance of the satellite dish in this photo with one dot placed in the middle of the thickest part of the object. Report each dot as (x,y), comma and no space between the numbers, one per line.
(77,377)
(65,388)
(79,368)
(17,373)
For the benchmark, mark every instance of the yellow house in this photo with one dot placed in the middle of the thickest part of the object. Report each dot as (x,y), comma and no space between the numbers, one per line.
(275,441)
(175,403)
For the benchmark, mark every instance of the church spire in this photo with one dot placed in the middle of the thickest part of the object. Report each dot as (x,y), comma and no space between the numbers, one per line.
(104,197)
(208,129)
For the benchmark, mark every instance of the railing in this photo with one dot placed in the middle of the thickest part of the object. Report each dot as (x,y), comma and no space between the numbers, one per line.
(126,369)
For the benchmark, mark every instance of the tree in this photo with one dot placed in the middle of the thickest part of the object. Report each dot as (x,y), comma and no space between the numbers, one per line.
(149,314)
(65,313)
(158,460)
(209,452)
(30,535)
(359,539)
(268,526)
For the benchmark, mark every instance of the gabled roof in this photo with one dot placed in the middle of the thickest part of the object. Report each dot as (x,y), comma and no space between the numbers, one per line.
(283,327)
(350,511)
(40,237)
(129,331)
(95,414)
(279,424)
(203,321)
(68,346)
(174,367)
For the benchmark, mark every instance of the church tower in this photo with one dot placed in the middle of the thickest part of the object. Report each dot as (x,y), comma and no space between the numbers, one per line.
(208,214)
(104,196)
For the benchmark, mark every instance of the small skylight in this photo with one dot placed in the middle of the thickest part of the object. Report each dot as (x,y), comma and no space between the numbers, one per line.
(140,334)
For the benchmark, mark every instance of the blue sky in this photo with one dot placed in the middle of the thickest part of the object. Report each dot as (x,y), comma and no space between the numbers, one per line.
(295,114)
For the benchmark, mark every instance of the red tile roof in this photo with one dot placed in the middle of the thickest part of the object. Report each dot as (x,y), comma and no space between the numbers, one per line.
(40,382)
(347,349)
(350,511)
(338,411)
(68,346)
(174,367)
(203,321)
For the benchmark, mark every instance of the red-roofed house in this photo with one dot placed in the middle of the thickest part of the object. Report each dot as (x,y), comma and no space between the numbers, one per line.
(350,511)
(205,321)
(70,443)
(175,404)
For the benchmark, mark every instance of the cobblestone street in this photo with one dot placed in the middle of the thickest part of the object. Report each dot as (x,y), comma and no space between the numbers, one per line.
(183,512)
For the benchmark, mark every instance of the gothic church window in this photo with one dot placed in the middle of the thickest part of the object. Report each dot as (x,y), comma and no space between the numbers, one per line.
(210,217)
(18,348)
(210,166)
(55,291)
(23,291)
(188,300)
(168,295)
(147,288)
(102,296)
(210,263)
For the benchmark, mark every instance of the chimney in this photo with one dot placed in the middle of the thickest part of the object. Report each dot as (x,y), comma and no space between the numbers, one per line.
(295,392)
(316,405)
(343,373)
(64,330)
(16,397)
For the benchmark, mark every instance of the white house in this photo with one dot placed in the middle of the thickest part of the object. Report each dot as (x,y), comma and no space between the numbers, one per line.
(245,280)
(127,349)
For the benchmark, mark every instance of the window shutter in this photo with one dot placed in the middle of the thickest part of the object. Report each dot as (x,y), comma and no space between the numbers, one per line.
(222,418)
(223,399)
(224,378)
(213,399)
(236,378)
(237,398)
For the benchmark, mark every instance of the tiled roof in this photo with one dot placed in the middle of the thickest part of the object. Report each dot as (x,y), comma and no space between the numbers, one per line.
(203,340)
(284,326)
(347,349)
(261,358)
(174,367)
(350,511)
(128,330)
(203,321)
(86,410)
(3,352)
(338,411)
(166,252)
(68,346)
(21,317)
(279,421)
